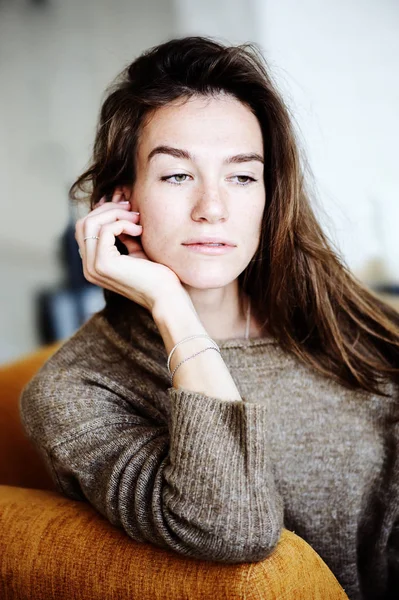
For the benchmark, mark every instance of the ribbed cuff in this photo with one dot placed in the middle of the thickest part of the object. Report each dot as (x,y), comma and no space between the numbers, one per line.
(220,475)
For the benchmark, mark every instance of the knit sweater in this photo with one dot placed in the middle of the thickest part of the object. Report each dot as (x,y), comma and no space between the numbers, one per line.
(218,479)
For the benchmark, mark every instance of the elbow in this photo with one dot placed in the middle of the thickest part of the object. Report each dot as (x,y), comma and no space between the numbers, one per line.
(242,536)
(250,550)
(231,549)
(257,540)
(227,548)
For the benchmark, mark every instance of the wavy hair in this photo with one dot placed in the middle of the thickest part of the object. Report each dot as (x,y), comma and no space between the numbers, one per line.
(301,291)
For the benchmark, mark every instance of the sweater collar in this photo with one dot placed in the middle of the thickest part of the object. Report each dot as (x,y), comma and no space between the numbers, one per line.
(141,315)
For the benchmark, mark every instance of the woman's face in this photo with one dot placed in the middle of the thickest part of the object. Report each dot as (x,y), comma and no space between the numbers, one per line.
(200,173)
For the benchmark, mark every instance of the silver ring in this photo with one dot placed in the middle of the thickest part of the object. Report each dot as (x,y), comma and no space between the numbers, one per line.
(91,237)
(80,254)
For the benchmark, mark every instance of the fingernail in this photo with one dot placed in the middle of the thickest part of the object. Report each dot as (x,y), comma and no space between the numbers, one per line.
(123,202)
(134,212)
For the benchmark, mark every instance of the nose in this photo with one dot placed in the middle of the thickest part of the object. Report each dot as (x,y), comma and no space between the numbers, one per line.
(209,206)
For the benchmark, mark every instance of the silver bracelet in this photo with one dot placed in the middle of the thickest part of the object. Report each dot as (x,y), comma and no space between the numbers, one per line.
(191,337)
(186,359)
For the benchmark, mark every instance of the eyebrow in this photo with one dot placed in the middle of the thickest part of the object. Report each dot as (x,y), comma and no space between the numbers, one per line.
(184,154)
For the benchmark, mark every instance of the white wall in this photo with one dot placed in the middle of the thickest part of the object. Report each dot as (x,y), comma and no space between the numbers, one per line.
(55,63)
(337,63)
(231,21)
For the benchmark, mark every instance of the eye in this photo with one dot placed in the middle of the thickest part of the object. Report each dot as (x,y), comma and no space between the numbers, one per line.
(169,177)
(247,177)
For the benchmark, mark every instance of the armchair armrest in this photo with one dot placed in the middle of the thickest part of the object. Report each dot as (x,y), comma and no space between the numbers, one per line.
(52,547)
(20,464)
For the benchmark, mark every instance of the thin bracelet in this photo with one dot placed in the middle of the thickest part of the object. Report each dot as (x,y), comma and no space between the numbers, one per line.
(192,356)
(191,337)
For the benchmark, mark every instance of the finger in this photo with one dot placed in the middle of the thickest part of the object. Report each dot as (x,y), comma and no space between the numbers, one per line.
(116,199)
(117,196)
(92,223)
(132,244)
(101,208)
(94,220)
(102,201)
(99,250)
(109,231)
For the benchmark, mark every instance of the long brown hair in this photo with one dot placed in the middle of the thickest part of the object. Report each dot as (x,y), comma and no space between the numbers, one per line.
(301,291)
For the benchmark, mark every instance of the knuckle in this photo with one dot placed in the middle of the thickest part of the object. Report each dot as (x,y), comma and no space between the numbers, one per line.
(88,275)
(88,219)
(101,268)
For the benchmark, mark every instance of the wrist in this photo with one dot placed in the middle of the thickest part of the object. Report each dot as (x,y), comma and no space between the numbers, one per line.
(174,303)
(176,319)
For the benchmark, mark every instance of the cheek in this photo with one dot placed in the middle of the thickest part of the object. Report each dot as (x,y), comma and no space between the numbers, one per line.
(252,226)
(159,227)
(252,219)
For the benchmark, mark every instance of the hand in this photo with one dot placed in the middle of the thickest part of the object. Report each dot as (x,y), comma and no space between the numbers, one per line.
(134,275)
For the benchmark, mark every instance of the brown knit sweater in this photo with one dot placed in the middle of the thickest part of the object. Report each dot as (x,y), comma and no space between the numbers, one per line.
(215,479)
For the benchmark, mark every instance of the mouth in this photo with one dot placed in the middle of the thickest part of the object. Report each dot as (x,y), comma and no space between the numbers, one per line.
(213,248)
(206,240)
(206,244)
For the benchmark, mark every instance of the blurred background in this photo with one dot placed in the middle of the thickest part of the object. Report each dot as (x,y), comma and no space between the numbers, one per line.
(336,63)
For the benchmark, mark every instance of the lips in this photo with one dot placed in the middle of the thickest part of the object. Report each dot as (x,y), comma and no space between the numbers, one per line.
(207,241)
(209,249)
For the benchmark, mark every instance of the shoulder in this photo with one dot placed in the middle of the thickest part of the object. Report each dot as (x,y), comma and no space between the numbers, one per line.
(96,362)
(82,360)
(95,343)
(92,380)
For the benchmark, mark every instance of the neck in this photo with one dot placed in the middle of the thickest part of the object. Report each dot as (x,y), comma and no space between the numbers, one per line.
(222,311)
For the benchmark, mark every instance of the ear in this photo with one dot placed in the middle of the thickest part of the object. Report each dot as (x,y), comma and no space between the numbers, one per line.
(129,194)
(126,191)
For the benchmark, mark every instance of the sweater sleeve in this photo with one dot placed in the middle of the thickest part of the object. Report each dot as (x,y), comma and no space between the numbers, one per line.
(198,481)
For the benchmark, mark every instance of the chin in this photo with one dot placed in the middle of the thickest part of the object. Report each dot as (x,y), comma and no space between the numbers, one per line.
(206,280)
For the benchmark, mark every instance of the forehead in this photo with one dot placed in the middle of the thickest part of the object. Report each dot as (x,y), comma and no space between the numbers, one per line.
(197,121)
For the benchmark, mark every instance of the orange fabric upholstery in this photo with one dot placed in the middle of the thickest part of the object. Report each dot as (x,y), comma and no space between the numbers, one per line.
(19,462)
(52,547)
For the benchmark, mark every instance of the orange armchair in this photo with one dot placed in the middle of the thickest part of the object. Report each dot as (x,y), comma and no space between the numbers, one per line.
(52,547)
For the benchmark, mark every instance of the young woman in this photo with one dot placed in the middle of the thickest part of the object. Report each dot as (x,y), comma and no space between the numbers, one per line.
(239,379)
